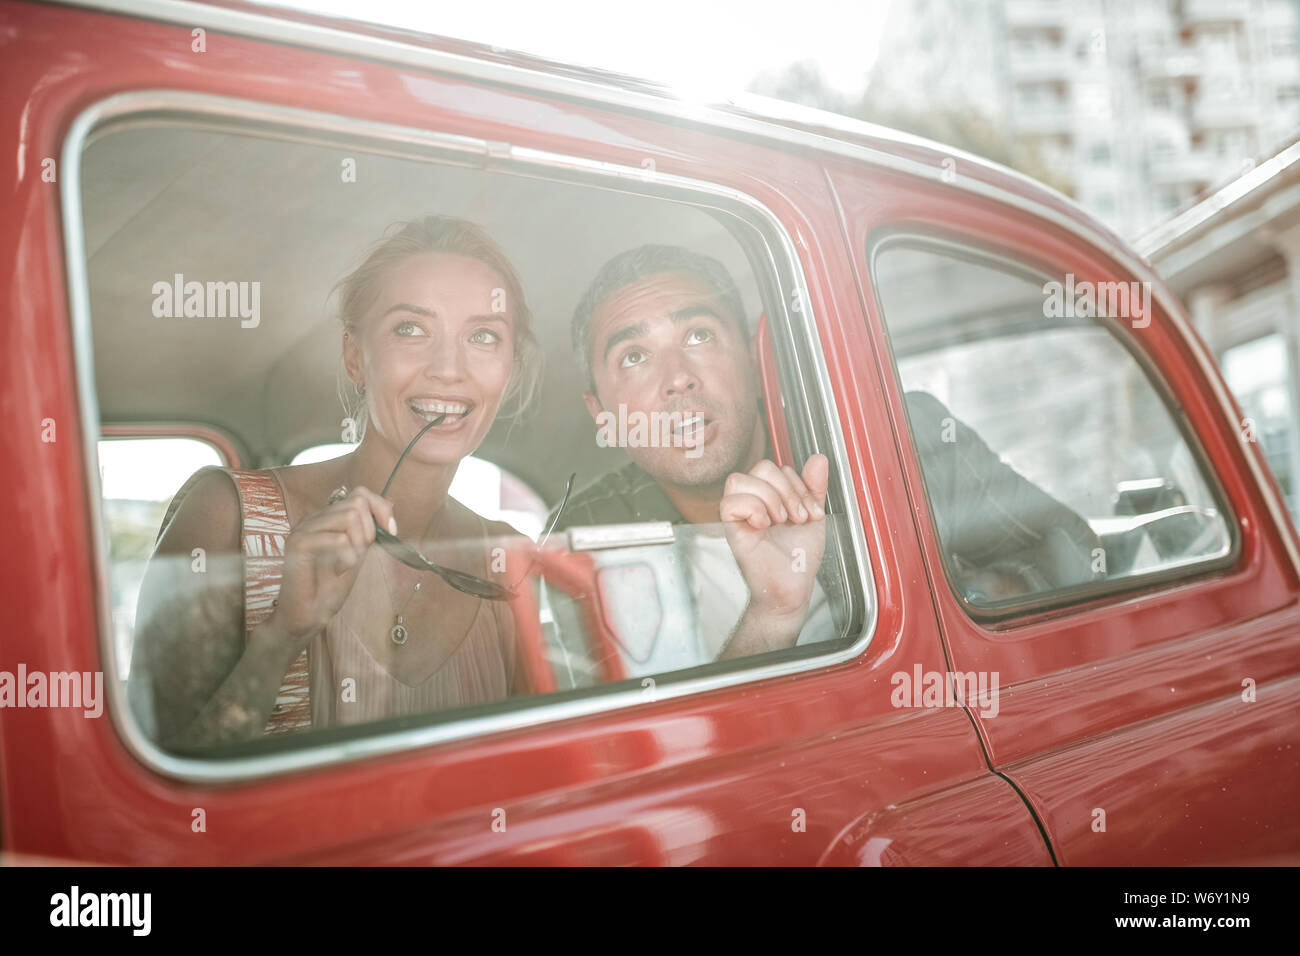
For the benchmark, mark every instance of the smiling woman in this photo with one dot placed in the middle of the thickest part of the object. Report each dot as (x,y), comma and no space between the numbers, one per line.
(436,335)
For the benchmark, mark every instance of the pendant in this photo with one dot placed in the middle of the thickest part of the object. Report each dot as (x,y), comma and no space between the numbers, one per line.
(398,631)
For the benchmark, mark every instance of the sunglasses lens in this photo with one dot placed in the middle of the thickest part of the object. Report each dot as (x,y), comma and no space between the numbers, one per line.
(472,585)
(401,550)
(466,583)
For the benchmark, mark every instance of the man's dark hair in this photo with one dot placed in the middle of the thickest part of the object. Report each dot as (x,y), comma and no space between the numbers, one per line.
(641,263)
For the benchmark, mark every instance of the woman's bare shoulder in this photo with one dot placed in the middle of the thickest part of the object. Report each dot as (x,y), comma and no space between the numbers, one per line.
(307,487)
(208,515)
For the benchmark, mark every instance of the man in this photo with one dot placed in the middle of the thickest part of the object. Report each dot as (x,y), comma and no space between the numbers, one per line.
(662,337)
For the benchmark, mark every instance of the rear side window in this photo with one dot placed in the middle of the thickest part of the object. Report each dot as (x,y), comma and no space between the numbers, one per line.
(1052,464)
(510,593)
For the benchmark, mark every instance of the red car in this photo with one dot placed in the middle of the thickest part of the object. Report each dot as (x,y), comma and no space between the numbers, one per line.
(976,703)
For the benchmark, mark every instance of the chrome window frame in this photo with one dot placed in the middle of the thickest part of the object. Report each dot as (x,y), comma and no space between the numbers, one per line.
(1022,611)
(815,402)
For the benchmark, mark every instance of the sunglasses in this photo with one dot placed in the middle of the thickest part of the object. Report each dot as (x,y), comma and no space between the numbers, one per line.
(467,583)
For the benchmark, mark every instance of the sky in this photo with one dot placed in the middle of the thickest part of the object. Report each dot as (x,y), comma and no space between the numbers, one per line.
(703,48)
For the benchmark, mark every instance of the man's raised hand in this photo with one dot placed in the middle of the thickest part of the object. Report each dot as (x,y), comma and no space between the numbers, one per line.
(774,518)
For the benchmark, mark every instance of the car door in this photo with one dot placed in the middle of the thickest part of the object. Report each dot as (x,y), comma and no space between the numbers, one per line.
(797,757)
(1147,705)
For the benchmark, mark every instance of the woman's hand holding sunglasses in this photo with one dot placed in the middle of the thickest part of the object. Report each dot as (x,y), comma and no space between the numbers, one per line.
(322,556)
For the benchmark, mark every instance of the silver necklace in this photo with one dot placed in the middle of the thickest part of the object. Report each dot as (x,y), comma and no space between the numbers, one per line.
(398,632)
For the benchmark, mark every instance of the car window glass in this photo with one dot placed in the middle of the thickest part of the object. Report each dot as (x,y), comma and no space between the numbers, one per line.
(1050,460)
(238,322)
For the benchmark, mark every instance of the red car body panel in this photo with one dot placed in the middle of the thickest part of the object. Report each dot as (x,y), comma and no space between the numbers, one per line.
(1112,684)
(716,777)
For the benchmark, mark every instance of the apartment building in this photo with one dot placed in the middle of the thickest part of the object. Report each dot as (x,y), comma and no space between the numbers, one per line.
(1141,105)
(1234,259)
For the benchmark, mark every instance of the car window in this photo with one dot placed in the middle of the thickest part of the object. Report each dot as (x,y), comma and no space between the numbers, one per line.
(460,617)
(1052,464)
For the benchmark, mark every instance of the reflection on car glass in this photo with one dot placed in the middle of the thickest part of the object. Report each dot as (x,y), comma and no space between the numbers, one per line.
(1050,460)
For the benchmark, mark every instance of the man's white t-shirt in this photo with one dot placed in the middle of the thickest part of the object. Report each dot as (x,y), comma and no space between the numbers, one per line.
(670,607)
(720,596)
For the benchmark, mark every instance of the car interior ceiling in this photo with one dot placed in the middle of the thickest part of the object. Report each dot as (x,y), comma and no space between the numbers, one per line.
(220,206)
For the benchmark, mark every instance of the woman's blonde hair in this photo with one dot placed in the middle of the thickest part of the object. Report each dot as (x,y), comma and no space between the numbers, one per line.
(358,290)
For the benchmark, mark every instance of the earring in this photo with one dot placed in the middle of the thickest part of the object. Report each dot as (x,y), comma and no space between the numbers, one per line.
(361,390)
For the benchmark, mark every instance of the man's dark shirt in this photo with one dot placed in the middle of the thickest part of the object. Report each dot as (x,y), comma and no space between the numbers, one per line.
(988,515)
(624,496)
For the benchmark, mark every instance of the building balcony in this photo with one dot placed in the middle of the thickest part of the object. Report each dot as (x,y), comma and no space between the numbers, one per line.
(1196,169)
(1224,114)
(1042,13)
(1215,11)
(1164,65)
(1040,64)
(1284,69)
(1151,19)
(1043,120)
